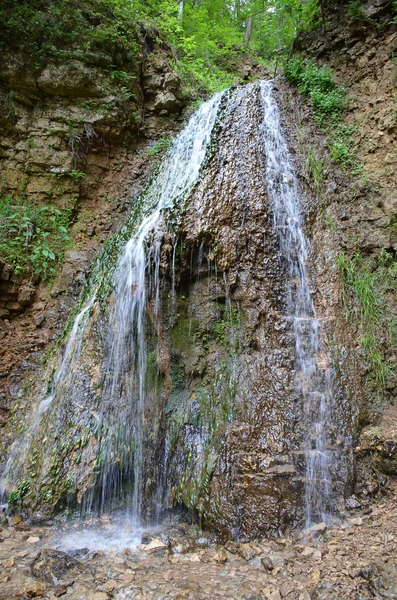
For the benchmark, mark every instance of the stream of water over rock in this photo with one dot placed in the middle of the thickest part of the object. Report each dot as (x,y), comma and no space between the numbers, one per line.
(314,384)
(106,411)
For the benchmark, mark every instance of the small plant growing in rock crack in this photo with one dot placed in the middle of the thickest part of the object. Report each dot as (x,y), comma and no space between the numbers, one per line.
(161,144)
(354,10)
(16,497)
(315,170)
(76,175)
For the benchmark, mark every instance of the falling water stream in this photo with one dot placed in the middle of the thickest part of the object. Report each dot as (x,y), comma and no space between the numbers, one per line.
(127,362)
(313,384)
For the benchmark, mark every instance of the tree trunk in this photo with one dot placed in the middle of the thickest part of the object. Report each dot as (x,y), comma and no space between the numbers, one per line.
(248,30)
(180,12)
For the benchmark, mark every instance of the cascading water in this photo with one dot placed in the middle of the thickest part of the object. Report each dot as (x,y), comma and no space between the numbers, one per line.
(314,384)
(72,351)
(127,362)
(122,403)
(184,368)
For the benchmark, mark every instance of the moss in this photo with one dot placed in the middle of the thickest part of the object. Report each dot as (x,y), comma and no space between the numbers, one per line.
(183,335)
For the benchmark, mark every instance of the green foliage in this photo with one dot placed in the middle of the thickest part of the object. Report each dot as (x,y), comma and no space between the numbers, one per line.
(205,36)
(76,175)
(370,285)
(228,330)
(329,103)
(16,497)
(275,25)
(314,170)
(40,28)
(354,10)
(32,238)
(160,145)
(343,147)
(319,85)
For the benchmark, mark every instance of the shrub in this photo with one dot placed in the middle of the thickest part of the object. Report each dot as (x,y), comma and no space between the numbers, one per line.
(32,238)
(319,85)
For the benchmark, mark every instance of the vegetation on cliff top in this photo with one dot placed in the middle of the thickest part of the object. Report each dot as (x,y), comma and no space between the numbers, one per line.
(204,35)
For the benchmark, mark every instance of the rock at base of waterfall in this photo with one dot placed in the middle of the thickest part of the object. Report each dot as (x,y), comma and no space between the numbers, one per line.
(36,589)
(318,530)
(156,546)
(51,565)
(267,563)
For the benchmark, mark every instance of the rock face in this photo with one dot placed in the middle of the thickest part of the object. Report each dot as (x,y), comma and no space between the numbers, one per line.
(360,47)
(73,136)
(222,428)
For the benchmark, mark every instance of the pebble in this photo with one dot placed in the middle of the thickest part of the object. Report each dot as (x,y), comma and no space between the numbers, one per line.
(33,539)
(267,563)
(35,589)
(318,530)
(9,563)
(220,556)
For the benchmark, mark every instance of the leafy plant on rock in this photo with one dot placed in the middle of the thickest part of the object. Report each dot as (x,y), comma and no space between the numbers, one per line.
(32,238)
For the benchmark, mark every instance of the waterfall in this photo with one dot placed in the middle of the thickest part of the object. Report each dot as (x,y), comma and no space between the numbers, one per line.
(127,363)
(314,384)
(134,285)
(158,391)
(21,447)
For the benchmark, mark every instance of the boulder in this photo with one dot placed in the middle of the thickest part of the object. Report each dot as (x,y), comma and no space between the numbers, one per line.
(52,565)
(167,102)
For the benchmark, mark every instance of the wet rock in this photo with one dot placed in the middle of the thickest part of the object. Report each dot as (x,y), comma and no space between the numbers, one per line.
(352,504)
(357,521)
(147,537)
(156,547)
(318,530)
(60,590)
(232,547)
(249,551)
(326,591)
(35,589)
(9,563)
(271,593)
(183,545)
(33,539)
(286,588)
(22,527)
(220,556)
(267,563)
(52,565)
(382,580)
(15,519)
